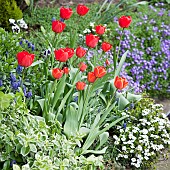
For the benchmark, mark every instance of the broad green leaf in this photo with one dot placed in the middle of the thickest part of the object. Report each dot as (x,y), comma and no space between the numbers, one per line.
(25,151)
(41,103)
(119,68)
(122,102)
(103,139)
(33,148)
(71,123)
(16,167)
(6,165)
(96,151)
(5,100)
(58,91)
(36,63)
(26,167)
(133,97)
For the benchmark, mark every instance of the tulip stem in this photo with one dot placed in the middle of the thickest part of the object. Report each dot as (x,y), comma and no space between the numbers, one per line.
(116,57)
(22,81)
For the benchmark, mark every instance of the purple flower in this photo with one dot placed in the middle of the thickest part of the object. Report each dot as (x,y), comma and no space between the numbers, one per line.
(1,83)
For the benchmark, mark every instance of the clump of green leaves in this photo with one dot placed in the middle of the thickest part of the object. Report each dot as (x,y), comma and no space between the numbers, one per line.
(29,141)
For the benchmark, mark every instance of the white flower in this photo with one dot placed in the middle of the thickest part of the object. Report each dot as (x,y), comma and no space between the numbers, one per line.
(125,156)
(15,28)
(123,114)
(131,151)
(22,23)
(134,130)
(92,24)
(145,112)
(133,159)
(115,137)
(146,158)
(12,21)
(124,148)
(139,148)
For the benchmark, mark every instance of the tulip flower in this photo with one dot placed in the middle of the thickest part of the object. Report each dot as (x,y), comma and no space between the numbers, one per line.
(91,40)
(82,9)
(57,73)
(82,67)
(65,13)
(80,85)
(125,21)
(120,82)
(66,70)
(106,46)
(25,59)
(107,62)
(91,77)
(100,29)
(70,52)
(61,55)
(80,52)
(99,71)
(58,26)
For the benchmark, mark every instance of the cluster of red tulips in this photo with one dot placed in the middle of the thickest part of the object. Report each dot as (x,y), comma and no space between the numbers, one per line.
(63,54)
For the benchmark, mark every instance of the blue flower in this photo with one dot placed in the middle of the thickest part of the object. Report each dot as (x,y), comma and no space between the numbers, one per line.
(29,94)
(53,19)
(14,85)
(19,69)
(61,19)
(12,162)
(124,125)
(12,77)
(29,45)
(1,83)
(24,91)
(76,99)
(33,47)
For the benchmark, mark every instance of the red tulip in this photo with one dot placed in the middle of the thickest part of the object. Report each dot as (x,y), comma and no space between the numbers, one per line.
(120,82)
(57,73)
(125,21)
(91,77)
(80,52)
(82,67)
(82,9)
(91,40)
(100,29)
(25,59)
(58,26)
(61,55)
(70,52)
(99,71)
(80,85)
(65,13)
(106,46)
(107,62)
(66,70)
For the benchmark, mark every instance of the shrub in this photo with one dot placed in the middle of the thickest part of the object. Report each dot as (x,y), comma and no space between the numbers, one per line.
(140,140)
(8,10)
(27,140)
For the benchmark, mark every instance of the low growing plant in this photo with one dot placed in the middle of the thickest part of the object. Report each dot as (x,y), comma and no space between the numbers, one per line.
(143,137)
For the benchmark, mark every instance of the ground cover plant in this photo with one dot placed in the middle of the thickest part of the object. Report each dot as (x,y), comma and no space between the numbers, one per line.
(64,100)
(141,139)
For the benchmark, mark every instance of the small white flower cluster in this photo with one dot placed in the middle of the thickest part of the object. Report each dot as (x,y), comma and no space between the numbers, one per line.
(20,24)
(143,137)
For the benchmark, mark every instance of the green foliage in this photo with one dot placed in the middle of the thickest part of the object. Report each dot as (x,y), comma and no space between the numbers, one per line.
(29,141)
(9,10)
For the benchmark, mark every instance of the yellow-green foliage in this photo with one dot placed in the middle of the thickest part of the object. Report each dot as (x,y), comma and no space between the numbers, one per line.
(9,9)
